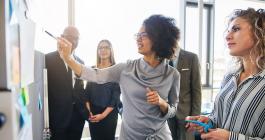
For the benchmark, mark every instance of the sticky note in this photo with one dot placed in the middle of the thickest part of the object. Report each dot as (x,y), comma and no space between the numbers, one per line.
(25,96)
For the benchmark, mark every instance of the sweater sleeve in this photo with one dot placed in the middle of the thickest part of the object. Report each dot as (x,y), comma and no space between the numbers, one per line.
(173,97)
(101,76)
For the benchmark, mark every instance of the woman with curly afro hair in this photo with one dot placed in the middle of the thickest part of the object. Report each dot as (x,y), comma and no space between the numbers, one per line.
(149,86)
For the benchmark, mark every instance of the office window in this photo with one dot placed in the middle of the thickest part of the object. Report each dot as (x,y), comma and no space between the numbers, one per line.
(191,43)
(215,58)
(53,17)
(192,38)
(117,21)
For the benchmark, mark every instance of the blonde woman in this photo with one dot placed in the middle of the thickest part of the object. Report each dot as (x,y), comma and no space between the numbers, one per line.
(103,99)
(239,108)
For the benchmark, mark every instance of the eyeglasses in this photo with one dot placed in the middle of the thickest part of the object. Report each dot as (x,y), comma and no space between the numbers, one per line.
(141,35)
(103,48)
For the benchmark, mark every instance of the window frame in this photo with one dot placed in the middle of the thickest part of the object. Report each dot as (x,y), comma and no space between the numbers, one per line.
(209,6)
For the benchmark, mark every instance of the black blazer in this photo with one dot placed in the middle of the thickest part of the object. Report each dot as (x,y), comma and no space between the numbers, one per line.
(63,98)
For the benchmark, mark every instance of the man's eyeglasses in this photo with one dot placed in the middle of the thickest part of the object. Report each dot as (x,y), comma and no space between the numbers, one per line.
(141,35)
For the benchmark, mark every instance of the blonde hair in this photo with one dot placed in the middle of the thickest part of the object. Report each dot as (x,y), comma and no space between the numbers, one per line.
(256,19)
(112,60)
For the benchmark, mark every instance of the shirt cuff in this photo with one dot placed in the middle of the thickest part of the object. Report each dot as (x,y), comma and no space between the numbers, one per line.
(171,112)
(233,136)
(238,136)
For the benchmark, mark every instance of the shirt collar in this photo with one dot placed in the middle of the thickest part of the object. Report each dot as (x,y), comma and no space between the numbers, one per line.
(259,74)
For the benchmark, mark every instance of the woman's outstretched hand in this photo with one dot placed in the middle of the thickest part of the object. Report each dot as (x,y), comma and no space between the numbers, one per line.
(64,48)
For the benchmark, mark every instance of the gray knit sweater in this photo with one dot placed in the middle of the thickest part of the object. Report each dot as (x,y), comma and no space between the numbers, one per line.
(141,120)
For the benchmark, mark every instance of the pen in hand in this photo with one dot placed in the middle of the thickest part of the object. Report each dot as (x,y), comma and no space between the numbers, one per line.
(51,35)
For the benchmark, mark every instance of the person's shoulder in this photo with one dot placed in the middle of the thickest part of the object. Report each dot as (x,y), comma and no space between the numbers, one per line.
(54,53)
(51,59)
(172,70)
(130,62)
(52,56)
(175,73)
(188,53)
(231,73)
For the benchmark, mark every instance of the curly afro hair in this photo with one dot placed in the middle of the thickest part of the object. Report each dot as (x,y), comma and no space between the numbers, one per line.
(164,34)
